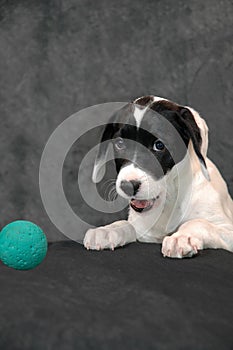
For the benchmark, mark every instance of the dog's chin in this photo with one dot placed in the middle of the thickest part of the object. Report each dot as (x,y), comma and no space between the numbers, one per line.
(143,205)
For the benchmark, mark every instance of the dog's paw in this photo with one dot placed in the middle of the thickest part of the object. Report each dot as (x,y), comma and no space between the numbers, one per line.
(102,238)
(181,245)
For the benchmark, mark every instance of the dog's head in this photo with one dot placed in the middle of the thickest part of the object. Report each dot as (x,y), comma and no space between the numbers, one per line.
(150,136)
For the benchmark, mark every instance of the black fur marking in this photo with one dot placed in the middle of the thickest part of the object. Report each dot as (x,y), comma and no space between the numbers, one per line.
(144,101)
(181,118)
(162,105)
(155,162)
(183,121)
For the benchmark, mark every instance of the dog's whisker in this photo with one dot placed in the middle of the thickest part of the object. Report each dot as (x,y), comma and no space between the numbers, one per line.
(108,192)
(183,222)
(115,196)
(112,193)
(109,195)
(109,184)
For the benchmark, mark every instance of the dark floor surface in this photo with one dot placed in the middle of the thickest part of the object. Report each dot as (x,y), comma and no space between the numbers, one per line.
(131,298)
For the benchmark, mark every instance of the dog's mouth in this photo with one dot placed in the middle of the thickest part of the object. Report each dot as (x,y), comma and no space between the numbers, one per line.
(140,205)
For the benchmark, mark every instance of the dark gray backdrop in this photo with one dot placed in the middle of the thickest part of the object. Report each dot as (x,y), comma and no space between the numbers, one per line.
(58,57)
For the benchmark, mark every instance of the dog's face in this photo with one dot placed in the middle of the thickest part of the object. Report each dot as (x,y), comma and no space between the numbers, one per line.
(150,137)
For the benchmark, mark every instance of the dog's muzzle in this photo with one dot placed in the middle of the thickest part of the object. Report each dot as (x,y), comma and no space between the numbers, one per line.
(130,187)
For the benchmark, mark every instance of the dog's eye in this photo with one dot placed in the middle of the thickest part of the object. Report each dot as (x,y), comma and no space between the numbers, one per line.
(158,146)
(119,143)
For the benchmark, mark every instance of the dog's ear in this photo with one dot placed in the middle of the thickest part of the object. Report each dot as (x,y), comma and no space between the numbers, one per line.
(196,136)
(102,155)
(120,116)
(203,128)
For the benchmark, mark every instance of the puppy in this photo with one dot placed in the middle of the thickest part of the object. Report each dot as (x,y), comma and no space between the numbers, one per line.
(176,195)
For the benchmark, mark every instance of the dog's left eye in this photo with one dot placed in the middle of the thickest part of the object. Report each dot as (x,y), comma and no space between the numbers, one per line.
(158,146)
(119,143)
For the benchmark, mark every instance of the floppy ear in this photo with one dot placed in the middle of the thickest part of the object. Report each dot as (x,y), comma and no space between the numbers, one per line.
(102,155)
(120,116)
(196,135)
(203,130)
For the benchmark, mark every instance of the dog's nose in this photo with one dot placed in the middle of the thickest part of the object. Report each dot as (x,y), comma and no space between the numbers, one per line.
(130,187)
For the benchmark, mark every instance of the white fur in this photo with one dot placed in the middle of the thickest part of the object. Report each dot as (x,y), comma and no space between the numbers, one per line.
(139,111)
(138,115)
(191,213)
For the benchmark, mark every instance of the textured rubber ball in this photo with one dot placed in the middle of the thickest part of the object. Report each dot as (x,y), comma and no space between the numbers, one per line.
(23,245)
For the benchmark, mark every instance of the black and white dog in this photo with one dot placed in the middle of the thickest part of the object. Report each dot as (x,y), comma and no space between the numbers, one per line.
(176,194)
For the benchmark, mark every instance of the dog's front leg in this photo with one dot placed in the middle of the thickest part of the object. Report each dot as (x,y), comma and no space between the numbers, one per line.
(195,235)
(110,236)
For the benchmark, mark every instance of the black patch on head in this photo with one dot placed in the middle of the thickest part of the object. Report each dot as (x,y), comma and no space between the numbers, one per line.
(141,152)
(162,105)
(155,162)
(118,120)
(144,101)
(182,119)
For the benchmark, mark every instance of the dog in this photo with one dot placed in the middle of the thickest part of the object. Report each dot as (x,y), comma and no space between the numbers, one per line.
(176,195)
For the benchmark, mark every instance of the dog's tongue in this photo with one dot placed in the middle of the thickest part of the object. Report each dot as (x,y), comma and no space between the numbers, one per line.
(141,204)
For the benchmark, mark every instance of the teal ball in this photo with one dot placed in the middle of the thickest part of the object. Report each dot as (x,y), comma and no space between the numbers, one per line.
(23,245)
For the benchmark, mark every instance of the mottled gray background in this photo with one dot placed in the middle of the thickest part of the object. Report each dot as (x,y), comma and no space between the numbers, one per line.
(58,57)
